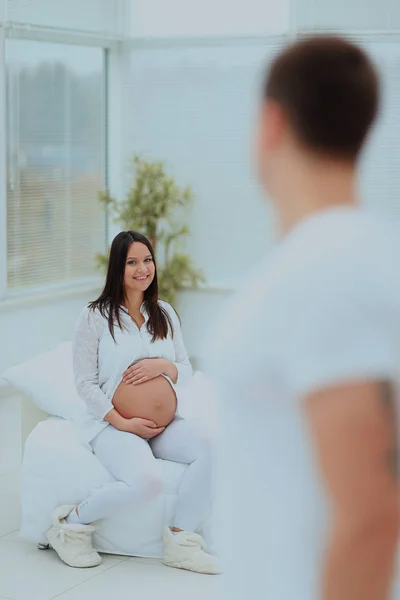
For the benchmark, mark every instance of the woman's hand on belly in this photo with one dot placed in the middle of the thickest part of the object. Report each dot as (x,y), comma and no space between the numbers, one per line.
(143,428)
(144,370)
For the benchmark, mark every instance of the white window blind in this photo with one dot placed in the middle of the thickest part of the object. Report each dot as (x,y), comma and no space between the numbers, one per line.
(380,182)
(55,163)
(196,108)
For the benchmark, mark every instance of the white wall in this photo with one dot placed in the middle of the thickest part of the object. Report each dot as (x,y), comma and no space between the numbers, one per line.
(215,17)
(38,326)
(96,16)
(159,18)
(346,15)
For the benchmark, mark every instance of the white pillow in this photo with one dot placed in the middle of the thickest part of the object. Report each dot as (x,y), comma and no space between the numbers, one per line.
(47,379)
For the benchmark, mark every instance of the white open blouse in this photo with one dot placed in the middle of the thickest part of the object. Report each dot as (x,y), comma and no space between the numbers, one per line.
(99,362)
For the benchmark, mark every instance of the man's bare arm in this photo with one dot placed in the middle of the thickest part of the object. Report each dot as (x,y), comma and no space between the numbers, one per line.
(354,431)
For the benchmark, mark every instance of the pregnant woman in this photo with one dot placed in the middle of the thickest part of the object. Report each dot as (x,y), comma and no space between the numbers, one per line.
(129,361)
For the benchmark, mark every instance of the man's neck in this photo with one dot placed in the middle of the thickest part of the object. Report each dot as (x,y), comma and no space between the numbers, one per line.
(314,187)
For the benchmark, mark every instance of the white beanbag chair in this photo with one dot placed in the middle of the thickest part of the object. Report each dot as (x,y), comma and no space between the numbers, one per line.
(57,469)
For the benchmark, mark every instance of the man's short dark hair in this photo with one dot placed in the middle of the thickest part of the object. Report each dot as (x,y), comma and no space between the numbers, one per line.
(329,90)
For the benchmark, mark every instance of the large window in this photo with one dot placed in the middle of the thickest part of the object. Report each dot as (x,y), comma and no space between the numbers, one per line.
(55,107)
(196,108)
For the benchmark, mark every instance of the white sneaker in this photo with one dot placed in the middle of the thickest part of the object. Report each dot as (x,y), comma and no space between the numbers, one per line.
(184,550)
(73,543)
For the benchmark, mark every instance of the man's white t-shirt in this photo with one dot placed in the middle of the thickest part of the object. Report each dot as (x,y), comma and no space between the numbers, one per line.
(323,309)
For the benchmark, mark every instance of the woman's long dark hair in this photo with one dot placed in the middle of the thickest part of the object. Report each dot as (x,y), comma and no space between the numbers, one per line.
(113,295)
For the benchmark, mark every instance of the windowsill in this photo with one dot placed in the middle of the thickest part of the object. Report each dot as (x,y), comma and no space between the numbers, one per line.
(91,288)
(47,296)
(211,288)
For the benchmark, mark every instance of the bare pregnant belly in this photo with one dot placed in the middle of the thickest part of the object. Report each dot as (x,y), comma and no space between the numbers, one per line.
(154,400)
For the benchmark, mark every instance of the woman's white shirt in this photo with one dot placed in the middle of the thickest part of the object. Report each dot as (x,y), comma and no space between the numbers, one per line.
(99,362)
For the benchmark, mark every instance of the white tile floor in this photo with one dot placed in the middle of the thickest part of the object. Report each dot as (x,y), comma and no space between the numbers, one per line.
(28,574)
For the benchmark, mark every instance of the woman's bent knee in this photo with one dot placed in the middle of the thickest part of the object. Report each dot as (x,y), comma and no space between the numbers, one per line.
(145,487)
(202,439)
(205,436)
(151,485)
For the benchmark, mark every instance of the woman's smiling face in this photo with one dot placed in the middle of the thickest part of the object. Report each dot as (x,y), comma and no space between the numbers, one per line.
(139,268)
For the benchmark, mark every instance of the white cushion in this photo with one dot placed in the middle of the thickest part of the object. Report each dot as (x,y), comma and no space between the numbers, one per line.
(47,380)
(197,400)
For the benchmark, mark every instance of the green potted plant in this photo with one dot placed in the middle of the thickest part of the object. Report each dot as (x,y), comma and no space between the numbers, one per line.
(153,203)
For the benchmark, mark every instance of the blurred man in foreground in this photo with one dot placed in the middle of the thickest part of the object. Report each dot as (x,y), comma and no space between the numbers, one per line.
(308,356)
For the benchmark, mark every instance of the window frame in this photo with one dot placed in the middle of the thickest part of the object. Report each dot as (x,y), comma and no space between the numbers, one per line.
(113,50)
(3,182)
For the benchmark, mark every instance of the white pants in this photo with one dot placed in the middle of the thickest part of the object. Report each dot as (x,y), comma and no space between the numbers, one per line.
(132,461)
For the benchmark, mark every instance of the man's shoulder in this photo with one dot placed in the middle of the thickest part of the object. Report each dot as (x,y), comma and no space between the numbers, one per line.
(337,253)
(337,274)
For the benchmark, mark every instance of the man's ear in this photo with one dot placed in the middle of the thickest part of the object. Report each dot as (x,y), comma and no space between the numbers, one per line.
(272,126)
